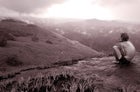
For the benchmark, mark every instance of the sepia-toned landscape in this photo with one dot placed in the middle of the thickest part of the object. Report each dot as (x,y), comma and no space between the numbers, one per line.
(67,45)
(38,57)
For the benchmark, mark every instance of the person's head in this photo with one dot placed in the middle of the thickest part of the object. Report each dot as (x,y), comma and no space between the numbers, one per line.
(124,37)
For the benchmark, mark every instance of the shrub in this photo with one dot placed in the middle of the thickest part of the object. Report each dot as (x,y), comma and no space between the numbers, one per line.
(3,39)
(49,42)
(10,36)
(13,61)
(35,39)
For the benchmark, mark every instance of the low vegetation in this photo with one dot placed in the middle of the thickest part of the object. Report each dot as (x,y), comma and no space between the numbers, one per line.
(57,82)
(61,82)
(13,61)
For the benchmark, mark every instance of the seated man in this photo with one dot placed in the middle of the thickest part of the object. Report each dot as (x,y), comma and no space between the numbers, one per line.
(124,51)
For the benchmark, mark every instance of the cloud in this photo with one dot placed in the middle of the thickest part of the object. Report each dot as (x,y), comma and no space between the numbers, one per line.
(127,10)
(27,6)
(7,12)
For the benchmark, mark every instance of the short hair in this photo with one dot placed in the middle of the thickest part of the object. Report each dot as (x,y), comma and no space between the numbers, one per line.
(124,37)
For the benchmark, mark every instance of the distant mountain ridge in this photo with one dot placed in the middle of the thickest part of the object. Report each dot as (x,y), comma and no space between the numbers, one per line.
(97,34)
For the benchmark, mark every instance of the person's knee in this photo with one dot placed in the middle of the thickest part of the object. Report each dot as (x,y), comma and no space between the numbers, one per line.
(115,47)
(117,52)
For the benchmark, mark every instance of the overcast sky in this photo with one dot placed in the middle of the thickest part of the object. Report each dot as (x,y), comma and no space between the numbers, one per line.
(127,10)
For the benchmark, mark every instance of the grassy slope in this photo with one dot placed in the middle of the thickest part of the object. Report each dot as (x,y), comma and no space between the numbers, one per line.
(92,75)
(36,46)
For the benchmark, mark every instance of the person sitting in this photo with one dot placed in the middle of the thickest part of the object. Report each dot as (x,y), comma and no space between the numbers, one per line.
(124,50)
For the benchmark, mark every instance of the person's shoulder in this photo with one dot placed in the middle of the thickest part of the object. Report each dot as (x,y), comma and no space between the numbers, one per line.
(125,42)
(118,44)
(129,41)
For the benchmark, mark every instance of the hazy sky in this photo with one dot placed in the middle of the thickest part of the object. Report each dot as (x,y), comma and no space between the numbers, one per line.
(127,10)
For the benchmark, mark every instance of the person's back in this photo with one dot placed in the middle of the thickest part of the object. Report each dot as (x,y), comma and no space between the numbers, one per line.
(129,50)
(124,51)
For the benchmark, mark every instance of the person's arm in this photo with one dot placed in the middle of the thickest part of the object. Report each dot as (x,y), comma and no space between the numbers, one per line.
(122,49)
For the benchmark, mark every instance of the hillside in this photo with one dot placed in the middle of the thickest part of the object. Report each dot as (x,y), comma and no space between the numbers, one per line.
(97,34)
(32,45)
